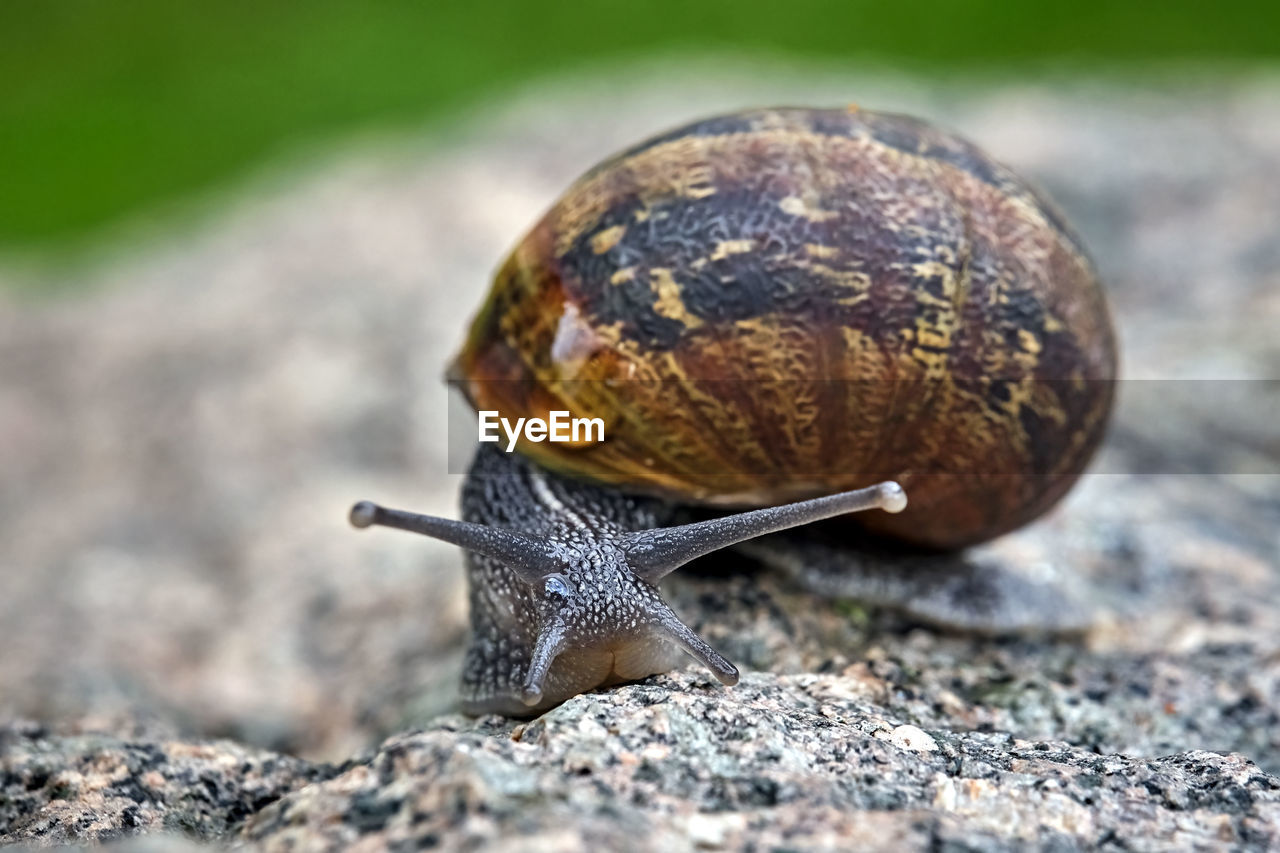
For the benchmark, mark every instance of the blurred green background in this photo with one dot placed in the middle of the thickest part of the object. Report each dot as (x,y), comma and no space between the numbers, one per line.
(111,109)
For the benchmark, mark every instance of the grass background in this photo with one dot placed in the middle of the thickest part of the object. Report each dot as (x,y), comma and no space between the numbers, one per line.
(109,109)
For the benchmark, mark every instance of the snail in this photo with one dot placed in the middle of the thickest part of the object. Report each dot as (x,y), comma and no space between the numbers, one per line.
(780,316)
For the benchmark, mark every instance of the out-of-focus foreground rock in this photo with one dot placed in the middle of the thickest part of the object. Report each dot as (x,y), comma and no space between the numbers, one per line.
(195,642)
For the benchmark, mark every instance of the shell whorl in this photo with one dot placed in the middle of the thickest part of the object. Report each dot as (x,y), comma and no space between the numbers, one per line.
(781,303)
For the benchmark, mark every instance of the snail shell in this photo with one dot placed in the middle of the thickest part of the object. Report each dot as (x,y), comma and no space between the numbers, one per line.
(782,303)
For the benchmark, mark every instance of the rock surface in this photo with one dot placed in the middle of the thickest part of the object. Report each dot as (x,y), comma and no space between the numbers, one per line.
(93,787)
(211,651)
(790,762)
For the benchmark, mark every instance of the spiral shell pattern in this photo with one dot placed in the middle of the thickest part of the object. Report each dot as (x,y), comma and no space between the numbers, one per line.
(781,303)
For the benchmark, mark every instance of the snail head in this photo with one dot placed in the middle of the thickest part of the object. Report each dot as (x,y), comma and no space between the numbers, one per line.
(595,596)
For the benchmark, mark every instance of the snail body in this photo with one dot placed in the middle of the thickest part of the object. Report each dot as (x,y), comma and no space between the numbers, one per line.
(764,308)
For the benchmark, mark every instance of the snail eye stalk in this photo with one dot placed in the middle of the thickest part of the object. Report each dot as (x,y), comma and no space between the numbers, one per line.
(528,557)
(653,554)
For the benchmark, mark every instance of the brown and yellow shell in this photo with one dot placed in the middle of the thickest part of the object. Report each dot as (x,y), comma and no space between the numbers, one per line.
(782,303)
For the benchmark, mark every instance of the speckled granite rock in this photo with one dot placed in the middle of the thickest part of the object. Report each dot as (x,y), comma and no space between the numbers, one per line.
(779,763)
(183,437)
(56,789)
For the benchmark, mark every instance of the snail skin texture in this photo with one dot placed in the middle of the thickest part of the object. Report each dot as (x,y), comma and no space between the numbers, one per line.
(813,312)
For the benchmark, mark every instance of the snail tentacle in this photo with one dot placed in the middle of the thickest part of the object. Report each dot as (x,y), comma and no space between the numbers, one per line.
(525,555)
(653,554)
(551,641)
(698,649)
